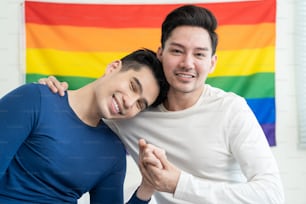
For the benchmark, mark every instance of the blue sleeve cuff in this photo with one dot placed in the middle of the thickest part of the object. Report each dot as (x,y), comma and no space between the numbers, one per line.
(135,200)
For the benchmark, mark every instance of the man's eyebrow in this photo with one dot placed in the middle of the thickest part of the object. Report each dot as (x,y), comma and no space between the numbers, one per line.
(141,90)
(202,49)
(197,48)
(138,84)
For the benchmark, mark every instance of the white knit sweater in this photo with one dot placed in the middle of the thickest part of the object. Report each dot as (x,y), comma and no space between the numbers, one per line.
(219,146)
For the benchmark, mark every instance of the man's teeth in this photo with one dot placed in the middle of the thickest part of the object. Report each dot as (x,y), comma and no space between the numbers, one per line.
(116,106)
(184,75)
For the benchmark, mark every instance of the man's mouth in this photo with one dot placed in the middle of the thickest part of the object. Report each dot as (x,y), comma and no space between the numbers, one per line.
(185,75)
(116,105)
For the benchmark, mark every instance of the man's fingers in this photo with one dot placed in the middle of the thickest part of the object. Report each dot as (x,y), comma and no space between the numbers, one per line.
(152,161)
(141,143)
(64,85)
(51,85)
(54,85)
(145,174)
(57,86)
(160,155)
(43,81)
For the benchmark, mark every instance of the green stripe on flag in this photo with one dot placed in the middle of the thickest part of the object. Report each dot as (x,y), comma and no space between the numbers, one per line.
(260,85)
(74,82)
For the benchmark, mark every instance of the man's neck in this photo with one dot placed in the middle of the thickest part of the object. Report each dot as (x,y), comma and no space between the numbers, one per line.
(177,101)
(82,103)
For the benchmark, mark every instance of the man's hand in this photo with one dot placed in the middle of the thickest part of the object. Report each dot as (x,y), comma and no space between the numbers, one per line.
(156,169)
(54,85)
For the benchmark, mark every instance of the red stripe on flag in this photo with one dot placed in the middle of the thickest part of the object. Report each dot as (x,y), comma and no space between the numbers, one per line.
(145,15)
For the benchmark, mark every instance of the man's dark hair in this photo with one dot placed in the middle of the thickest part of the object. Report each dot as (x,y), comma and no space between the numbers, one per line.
(137,59)
(190,15)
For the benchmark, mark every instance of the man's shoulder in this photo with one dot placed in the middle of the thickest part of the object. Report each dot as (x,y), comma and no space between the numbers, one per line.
(215,93)
(23,92)
(33,88)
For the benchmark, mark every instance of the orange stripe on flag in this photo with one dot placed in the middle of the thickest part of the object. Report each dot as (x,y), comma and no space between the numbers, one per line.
(90,39)
(234,37)
(97,39)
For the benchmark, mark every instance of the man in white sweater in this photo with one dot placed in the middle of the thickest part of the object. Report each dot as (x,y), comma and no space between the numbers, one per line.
(216,152)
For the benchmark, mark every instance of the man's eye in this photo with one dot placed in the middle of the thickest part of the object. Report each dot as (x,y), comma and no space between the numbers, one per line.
(133,87)
(140,105)
(176,51)
(200,55)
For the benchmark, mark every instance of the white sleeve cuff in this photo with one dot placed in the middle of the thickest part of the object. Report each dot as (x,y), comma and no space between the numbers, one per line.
(181,186)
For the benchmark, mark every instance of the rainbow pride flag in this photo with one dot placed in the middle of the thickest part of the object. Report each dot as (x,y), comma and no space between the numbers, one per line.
(75,42)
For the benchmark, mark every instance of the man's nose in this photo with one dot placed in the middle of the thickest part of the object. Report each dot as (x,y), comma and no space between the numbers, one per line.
(187,61)
(129,101)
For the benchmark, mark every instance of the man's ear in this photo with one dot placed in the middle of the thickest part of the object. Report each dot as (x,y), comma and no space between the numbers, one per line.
(159,53)
(113,66)
(213,63)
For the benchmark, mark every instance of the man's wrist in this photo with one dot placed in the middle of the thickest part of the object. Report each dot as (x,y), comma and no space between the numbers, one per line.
(144,192)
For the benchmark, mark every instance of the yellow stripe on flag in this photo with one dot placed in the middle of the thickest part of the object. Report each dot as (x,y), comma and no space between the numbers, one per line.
(69,63)
(244,62)
(92,64)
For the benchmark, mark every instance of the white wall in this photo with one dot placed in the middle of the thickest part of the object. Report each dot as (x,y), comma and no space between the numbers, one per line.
(291,159)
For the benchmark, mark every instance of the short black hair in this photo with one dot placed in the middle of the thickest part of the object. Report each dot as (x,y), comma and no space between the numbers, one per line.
(191,15)
(147,57)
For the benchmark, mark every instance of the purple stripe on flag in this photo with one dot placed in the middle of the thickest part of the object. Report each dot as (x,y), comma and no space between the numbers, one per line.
(269,130)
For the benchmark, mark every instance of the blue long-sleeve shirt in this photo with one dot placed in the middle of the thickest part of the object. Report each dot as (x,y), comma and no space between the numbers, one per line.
(48,155)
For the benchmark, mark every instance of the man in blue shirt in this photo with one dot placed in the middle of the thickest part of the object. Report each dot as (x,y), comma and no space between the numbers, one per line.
(54,149)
